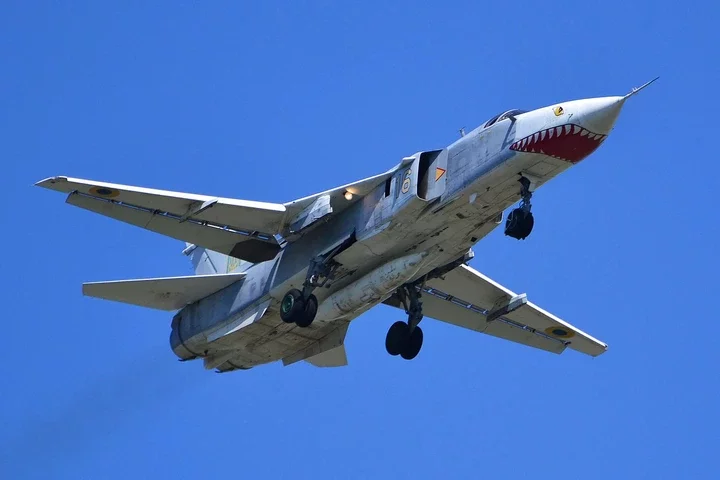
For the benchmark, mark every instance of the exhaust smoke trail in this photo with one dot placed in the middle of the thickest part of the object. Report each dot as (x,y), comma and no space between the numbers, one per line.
(61,436)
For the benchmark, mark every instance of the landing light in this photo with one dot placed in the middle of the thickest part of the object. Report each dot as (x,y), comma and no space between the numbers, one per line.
(348,195)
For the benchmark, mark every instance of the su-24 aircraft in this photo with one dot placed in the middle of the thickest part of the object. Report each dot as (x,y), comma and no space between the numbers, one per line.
(284,281)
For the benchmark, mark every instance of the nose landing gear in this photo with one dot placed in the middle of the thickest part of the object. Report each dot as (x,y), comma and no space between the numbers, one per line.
(520,222)
(406,339)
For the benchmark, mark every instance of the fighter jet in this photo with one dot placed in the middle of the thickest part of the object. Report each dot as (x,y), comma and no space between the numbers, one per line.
(283,281)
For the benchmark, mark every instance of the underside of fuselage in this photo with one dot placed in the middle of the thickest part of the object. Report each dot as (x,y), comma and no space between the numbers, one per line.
(444,231)
(289,278)
(426,215)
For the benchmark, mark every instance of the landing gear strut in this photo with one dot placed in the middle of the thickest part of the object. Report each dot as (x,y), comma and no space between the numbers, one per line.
(406,339)
(300,307)
(520,222)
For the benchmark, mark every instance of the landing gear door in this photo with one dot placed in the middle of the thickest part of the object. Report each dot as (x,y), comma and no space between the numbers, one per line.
(432,174)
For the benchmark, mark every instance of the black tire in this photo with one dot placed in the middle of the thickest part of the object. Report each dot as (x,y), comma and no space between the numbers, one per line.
(396,338)
(528,224)
(519,224)
(514,219)
(292,306)
(413,345)
(308,315)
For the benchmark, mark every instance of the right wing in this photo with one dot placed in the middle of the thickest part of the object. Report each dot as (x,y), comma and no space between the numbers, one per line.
(242,229)
(238,228)
(467,298)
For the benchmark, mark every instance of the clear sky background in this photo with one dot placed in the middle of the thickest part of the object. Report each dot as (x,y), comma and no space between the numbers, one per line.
(277,100)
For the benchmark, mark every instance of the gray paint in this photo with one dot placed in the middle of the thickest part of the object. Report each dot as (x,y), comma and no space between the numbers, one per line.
(443,222)
(466,161)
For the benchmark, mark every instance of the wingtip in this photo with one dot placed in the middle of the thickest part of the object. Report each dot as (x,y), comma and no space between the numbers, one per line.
(43,182)
(604,348)
(50,181)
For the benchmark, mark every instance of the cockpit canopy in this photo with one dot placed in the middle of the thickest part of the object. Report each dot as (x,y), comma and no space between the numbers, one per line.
(503,116)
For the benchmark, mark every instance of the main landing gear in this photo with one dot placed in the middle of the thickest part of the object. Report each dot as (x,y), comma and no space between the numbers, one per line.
(296,308)
(300,307)
(520,222)
(406,339)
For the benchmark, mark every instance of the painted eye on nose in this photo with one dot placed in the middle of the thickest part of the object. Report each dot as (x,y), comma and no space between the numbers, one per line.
(558,111)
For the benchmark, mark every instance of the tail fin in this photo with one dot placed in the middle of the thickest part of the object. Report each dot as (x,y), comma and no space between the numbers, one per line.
(209,262)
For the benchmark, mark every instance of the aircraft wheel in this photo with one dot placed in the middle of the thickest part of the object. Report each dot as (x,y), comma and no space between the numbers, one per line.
(413,344)
(292,306)
(308,314)
(519,224)
(528,224)
(396,338)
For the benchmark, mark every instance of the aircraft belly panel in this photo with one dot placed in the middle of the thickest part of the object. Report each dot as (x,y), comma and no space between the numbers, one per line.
(259,341)
(541,169)
(499,188)
(271,339)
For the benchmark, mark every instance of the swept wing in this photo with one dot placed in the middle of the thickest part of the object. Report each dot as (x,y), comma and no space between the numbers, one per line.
(252,231)
(234,227)
(467,298)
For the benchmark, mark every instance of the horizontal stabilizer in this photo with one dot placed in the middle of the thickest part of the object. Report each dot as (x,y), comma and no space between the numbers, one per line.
(170,293)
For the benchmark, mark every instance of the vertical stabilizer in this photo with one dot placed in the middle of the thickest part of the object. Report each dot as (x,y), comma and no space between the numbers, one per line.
(209,262)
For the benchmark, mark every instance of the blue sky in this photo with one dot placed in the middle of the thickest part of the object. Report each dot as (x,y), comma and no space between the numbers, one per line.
(279,100)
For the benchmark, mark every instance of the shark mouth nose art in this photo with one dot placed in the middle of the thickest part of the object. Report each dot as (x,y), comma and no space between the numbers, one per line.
(567,142)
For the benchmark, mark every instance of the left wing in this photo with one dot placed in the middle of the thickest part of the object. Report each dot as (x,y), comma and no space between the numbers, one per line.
(467,298)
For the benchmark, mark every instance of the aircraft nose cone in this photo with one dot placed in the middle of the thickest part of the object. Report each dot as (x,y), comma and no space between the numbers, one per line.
(598,115)
(570,131)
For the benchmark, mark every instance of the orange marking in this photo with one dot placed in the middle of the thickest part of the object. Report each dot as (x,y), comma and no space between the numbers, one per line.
(439,172)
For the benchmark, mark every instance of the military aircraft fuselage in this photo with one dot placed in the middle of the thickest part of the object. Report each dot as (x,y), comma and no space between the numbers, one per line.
(428,213)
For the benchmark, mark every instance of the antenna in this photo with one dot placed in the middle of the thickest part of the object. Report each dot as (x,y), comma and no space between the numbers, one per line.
(462,132)
(637,89)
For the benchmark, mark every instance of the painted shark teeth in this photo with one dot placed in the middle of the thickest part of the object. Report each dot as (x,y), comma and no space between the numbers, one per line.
(567,142)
